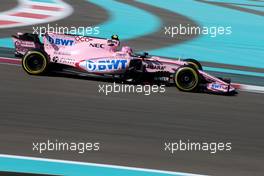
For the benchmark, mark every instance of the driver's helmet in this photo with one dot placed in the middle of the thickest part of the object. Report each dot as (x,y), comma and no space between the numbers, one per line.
(114,42)
(127,49)
(115,37)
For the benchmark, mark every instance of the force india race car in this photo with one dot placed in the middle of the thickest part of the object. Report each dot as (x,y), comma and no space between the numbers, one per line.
(100,56)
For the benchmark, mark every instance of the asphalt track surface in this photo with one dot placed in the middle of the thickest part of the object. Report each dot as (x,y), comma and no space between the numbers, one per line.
(131,128)
(8,5)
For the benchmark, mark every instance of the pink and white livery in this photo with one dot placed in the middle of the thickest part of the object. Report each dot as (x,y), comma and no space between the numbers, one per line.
(85,55)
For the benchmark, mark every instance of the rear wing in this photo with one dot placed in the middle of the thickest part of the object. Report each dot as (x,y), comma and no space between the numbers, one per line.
(24,42)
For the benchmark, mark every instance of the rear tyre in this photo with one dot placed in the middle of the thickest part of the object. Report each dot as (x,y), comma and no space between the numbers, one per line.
(35,62)
(187,79)
(194,63)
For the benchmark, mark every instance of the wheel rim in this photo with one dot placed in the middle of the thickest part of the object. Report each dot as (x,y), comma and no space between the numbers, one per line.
(186,79)
(35,63)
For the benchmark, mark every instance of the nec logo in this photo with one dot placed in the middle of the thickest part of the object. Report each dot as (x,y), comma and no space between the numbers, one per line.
(58,41)
(96,45)
(104,65)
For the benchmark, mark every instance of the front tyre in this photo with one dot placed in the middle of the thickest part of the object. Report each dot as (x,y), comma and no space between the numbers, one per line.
(187,79)
(194,63)
(35,62)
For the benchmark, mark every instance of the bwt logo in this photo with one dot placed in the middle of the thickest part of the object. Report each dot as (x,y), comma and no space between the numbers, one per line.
(216,86)
(58,41)
(103,65)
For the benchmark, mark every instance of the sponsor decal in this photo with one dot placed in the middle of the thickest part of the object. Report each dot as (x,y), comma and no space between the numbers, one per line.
(96,45)
(60,41)
(82,39)
(21,50)
(121,54)
(157,67)
(106,65)
(69,61)
(25,44)
(218,86)
(66,53)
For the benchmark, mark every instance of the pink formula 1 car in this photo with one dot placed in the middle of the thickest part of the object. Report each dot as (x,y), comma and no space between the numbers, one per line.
(100,56)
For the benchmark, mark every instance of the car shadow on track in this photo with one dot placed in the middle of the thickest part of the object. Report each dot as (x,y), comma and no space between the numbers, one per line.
(110,79)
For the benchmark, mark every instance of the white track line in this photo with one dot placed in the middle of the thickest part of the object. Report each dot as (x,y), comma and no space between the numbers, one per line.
(25,6)
(249,88)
